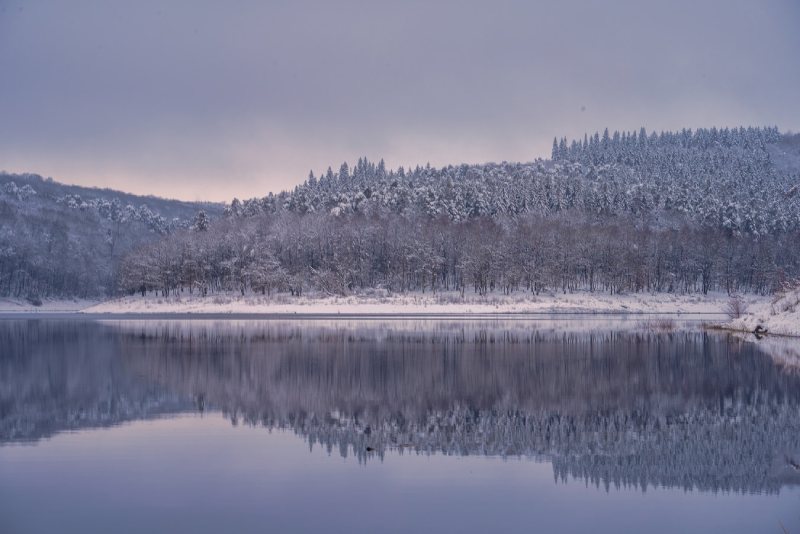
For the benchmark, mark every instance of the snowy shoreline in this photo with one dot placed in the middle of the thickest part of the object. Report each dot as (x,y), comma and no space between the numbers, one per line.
(780,315)
(777,315)
(419,303)
(22,306)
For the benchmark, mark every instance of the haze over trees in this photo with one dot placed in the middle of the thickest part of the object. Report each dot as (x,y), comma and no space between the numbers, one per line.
(688,211)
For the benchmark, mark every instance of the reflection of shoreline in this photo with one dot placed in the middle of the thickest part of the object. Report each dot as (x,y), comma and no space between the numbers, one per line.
(689,410)
(784,350)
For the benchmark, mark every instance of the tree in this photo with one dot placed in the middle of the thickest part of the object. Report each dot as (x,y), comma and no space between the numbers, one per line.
(201,222)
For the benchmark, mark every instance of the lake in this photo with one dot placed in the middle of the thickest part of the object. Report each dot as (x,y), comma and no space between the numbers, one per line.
(568,424)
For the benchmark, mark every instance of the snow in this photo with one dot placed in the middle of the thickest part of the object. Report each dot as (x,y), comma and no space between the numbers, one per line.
(47,306)
(779,314)
(419,303)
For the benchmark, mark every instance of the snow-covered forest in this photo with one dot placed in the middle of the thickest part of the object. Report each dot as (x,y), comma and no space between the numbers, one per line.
(60,240)
(742,180)
(713,209)
(688,211)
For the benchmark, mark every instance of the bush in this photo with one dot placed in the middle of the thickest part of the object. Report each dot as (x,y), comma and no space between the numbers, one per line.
(735,308)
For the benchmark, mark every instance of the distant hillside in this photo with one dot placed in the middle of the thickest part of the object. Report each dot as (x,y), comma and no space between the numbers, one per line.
(168,209)
(58,239)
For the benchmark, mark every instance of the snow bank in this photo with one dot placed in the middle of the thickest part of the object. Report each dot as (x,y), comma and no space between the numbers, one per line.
(779,314)
(418,303)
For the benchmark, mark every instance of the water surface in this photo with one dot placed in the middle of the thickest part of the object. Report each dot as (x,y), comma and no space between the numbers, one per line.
(572,424)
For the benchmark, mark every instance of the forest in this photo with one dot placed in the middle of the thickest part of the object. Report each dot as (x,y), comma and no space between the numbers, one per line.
(58,240)
(709,210)
(681,212)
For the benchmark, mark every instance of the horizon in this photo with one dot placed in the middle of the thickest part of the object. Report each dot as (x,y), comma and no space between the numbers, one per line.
(219,102)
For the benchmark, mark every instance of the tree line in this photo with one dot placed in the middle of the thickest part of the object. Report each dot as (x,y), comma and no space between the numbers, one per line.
(290,252)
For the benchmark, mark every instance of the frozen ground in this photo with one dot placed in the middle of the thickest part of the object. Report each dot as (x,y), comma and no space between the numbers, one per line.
(418,303)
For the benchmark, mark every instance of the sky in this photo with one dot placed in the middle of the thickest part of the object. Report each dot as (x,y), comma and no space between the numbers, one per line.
(204,100)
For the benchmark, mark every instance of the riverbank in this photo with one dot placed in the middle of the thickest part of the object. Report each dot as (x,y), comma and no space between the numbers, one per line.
(780,315)
(776,315)
(419,303)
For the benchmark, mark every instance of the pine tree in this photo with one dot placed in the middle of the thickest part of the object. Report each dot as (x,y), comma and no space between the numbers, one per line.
(200,223)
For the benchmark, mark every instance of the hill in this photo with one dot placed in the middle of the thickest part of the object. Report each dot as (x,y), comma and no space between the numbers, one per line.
(676,212)
(65,240)
(744,180)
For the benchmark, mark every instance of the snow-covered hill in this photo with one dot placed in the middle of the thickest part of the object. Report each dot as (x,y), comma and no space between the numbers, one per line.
(739,179)
(63,240)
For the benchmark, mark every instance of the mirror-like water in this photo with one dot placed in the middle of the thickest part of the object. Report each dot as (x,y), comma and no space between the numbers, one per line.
(393,425)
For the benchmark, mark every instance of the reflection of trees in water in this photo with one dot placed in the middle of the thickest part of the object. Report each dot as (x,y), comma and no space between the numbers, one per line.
(57,376)
(686,410)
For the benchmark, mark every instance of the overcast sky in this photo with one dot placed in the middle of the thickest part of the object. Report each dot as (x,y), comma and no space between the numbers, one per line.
(210,100)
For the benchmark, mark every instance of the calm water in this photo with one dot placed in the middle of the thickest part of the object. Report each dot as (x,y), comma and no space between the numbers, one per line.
(395,426)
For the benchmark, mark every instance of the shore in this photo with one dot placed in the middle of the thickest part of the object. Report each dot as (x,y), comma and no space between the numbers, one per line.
(419,303)
(776,315)
(11,305)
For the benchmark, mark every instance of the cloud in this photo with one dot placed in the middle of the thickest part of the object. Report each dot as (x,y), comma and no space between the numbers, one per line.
(214,100)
